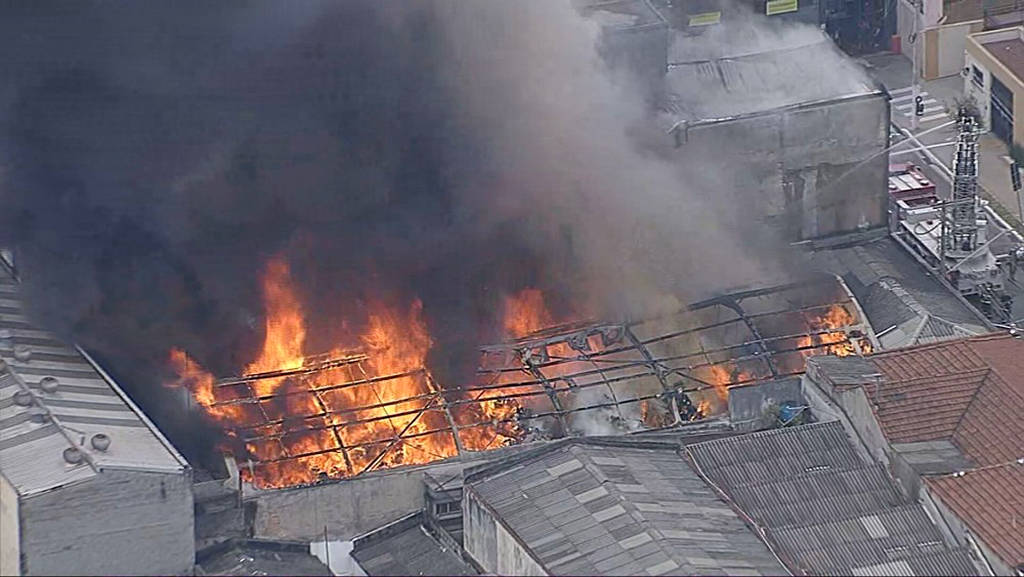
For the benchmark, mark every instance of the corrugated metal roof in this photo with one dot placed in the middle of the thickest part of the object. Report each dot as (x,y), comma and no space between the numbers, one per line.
(600,509)
(35,433)
(730,85)
(898,295)
(826,509)
(407,548)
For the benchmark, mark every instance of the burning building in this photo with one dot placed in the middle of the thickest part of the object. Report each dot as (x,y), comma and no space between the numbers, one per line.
(296,417)
(476,263)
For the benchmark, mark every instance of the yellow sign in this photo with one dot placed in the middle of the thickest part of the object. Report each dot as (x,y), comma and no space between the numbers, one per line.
(706,19)
(780,7)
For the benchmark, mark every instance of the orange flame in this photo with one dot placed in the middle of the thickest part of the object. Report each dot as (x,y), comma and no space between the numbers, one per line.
(837,342)
(385,413)
(525,312)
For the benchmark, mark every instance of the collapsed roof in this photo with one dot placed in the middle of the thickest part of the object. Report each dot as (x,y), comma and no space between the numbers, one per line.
(585,378)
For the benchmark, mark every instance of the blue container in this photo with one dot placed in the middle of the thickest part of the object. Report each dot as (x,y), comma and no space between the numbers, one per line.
(789,411)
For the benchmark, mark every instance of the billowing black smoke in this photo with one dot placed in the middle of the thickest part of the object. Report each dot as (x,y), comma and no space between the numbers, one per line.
(155,155)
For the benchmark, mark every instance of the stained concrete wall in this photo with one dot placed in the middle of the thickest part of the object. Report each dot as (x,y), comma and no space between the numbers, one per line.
(349,507)
(479,532)
(643,51)
(749,405)
(799,169)
(10,554)
(491,545)
(117,523)
(950,524)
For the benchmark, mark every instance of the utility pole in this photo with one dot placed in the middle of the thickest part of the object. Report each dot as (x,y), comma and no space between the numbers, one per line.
(916,88)
(1015,180)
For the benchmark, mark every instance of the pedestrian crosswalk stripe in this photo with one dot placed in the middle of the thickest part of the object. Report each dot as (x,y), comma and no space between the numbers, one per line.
(901,90)
(910,105)
(908,98)
(928,110)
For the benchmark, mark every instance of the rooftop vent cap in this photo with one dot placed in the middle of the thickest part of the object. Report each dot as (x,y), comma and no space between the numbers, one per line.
(22,353)
(38,415)
(23,398)
(49,385)
(73,455)
(100,442)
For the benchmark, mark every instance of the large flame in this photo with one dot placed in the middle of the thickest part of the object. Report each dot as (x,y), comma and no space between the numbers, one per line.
(525,312)
(834,342)
(387,404)
(295,417)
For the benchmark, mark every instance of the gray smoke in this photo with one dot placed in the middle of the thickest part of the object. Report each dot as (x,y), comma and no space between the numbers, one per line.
(155,155)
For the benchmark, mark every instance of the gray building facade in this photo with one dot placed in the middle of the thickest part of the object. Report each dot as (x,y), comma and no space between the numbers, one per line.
(788,135)
(88,486)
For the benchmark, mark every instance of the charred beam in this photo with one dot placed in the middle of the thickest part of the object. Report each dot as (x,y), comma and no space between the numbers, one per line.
(304,370)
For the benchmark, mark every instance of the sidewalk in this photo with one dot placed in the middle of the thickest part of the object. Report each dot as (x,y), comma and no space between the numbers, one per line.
(894,71)
(994,176)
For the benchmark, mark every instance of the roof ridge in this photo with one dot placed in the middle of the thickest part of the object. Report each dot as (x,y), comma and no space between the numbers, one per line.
(992,336)
(974,397)
(961,373)
(620,496)
(922,347)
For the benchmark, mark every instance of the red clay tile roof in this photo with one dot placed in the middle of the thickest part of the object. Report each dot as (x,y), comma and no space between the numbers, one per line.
(969,390)
(942,358)
(926,408)
(992,429)
(991,502)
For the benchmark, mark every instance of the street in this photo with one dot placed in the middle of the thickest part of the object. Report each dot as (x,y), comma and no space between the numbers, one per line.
(931,148)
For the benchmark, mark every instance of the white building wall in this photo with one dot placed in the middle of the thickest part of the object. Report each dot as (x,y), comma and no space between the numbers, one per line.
(479,532)
(10,553)
(117,523)
(513,559)
(952,44)
(980,93)
(490,543)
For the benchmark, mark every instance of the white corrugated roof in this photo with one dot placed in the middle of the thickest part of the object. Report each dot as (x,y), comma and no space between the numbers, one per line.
(86,402)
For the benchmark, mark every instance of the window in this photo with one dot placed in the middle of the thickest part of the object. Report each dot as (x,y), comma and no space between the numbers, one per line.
(444,508)
(977,76)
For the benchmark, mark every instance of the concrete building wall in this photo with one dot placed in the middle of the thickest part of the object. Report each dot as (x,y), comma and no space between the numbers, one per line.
(940,52)
(799,169)
(349,507)
(750,405)
(978,90)
(10,530)
(513,559)
(480,532)
(490,543)
(951,524)
(951,42)
(977,55)
(117,523)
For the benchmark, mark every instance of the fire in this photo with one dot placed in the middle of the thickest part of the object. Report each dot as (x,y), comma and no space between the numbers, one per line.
(721,378)
(285,326)
(837,342)
(379,411)
(525,313)
(703,409)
